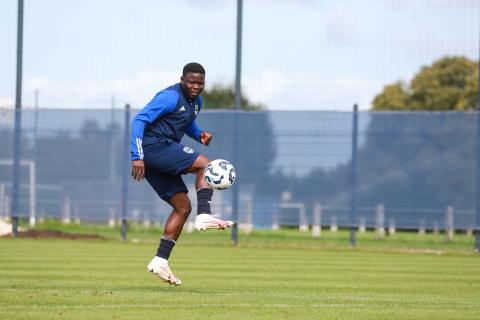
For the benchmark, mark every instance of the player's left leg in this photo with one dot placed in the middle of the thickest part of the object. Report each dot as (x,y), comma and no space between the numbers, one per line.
(181,210)
(205,220)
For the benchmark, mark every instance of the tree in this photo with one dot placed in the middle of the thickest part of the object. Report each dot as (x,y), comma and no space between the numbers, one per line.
(449,84)
(412,160)
(418,159)
(223,97)
(393,97)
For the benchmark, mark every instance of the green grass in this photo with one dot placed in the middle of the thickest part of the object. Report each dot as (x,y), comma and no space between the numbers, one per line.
(269,275)
(292,238)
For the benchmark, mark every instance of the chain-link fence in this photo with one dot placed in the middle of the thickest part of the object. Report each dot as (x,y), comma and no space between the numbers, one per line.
(414,170)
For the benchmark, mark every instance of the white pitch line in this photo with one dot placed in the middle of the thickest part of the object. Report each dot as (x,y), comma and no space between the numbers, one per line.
(240,305)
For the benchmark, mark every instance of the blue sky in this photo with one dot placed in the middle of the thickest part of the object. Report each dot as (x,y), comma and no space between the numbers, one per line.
(297,55)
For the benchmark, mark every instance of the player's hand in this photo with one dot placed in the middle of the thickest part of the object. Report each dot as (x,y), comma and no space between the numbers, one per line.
(138,169)
(205,138)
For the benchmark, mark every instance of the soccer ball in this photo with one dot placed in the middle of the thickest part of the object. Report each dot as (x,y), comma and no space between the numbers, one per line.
(219,174)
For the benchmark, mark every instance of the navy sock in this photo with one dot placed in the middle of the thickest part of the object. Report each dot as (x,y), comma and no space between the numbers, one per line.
(165,248)
(204,196)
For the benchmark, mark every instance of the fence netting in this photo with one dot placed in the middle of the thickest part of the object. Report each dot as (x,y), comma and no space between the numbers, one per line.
(414,170)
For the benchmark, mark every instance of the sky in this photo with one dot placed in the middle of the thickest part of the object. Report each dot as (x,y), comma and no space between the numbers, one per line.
(296,55)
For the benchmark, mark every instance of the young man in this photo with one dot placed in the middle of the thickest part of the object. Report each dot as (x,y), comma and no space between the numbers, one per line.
(158,156)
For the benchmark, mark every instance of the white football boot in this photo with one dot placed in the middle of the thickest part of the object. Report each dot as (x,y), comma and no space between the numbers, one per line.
(207,221)
(160,268)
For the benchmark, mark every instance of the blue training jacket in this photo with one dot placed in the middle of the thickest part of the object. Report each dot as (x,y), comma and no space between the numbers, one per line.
(168,116)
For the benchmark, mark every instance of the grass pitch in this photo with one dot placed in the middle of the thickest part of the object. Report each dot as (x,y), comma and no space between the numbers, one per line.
(283,275)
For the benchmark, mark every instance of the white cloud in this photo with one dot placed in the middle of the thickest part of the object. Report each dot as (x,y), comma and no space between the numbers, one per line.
(434,4)
(306,91)
(276,89)
(257,3)
(341,27)
(136,89)
(6,102)
(266,85)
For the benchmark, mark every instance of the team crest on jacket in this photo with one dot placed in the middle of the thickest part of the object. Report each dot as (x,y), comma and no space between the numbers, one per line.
(196,110)
(188,150)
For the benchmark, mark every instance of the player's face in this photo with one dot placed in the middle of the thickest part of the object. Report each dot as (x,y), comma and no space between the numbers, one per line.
(192,84)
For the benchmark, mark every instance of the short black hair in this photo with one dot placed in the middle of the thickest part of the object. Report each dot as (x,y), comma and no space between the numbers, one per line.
(193,67)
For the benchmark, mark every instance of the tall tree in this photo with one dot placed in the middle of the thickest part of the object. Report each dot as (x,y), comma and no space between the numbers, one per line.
(415,163)
(223,97)
(393,97)
(449,84)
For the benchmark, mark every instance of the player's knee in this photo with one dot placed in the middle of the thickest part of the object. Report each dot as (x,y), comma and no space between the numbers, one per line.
(184,210)
(202,162)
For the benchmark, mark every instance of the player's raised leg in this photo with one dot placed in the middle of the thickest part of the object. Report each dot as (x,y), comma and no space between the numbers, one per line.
(204,219)
(173,228)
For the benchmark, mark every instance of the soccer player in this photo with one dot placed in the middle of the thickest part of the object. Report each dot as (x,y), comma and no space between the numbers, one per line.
(160,158)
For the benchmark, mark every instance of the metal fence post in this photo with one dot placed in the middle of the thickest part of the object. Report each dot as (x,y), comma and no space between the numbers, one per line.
(476,227)
(302,218)
(248,225)
(421,227)
(353,178)
(391,226)
(236,187)
(449,223)
(238,106)
(380,220)
(275,222)
(112,140)
(18,122)
(33,194)
(67,211)
(3,207)
(125,173)
(317,220)
(362,224)
(333,224)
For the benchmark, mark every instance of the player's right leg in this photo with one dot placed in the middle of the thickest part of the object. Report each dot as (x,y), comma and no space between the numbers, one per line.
(204,219)
(161,175)
(161,269)
(173,227)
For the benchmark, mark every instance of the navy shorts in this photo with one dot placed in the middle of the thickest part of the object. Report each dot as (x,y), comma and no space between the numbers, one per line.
(165,162)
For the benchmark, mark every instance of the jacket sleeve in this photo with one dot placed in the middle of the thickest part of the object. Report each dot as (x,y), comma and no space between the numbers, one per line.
(193,131)
(164,102)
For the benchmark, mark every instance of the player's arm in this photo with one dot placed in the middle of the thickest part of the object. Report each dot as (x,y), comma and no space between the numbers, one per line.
(164,102)
(205,138)
(194,132)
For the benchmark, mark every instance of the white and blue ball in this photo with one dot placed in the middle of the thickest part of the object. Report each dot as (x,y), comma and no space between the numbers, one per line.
(220,174)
